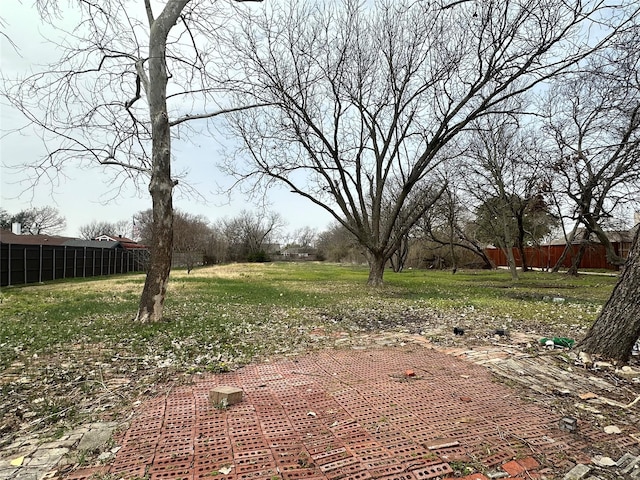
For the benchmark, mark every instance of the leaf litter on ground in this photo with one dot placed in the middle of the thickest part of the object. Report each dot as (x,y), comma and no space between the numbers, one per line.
(70,353)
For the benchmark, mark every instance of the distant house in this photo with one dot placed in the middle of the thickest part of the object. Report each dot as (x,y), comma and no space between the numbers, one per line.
(297,253)
(546,256)
(124,242)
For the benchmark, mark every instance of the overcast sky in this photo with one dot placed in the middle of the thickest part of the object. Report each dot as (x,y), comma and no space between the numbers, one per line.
(83,195)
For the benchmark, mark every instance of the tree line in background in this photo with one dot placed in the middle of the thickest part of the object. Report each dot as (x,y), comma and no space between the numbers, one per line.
(35,221)
(464,121)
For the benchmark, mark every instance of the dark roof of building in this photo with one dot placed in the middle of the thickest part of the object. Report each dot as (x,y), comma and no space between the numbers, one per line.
(7,236)
(75,242)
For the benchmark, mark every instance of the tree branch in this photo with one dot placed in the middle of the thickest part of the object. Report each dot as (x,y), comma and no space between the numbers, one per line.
(201,116)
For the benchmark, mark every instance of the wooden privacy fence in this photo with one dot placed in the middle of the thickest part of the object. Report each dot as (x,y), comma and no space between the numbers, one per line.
(546,256)
(22,264)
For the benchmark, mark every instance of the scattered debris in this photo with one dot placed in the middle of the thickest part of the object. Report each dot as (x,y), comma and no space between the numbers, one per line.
(587,396)
(577,473)
(568,424)
(603,461)
(557,342)
(585,359)
(628,372)
(612,429)
(441,443)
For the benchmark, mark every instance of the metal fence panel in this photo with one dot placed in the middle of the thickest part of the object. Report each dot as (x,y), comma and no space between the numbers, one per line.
(21,264)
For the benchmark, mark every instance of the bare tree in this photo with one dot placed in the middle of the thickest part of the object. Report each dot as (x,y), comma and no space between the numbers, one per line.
(365,95)
(5,219)
(191,237)
(97,228)
(304,237)
(594,119)
(36,221)
(337,244)
(617,328)
(450,222)
(505,174)
(249,234)
(129,78)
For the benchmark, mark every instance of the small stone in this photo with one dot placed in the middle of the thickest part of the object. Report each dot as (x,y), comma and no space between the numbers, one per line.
(628,372)
(603,365)
(497,475)
(612,429)
(104,456)
(585,358)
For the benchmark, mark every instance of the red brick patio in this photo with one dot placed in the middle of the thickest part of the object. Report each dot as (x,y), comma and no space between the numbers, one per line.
(403,413)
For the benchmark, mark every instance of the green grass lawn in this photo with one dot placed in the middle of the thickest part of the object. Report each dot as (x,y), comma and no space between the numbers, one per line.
(236,312)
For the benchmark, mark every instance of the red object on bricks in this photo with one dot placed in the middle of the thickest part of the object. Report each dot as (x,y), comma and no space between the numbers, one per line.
(529,463)
(473,476)
(513,468)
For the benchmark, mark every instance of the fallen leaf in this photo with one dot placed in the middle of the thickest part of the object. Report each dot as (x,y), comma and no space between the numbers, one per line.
(17,462)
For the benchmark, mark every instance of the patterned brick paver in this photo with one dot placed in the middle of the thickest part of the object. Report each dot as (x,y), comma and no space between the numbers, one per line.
(345,415)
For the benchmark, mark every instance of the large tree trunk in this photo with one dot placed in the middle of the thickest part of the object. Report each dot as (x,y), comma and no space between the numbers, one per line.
(511,260)
(520,240)
(617,328)
(567,248)
(576,260)
(377,261)
(612,257)
(161,185)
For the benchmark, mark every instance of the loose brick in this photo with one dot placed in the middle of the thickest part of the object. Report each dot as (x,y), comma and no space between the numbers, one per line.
(224,395)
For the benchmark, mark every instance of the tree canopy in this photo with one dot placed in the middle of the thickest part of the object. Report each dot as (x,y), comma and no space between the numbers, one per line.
(363,98)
